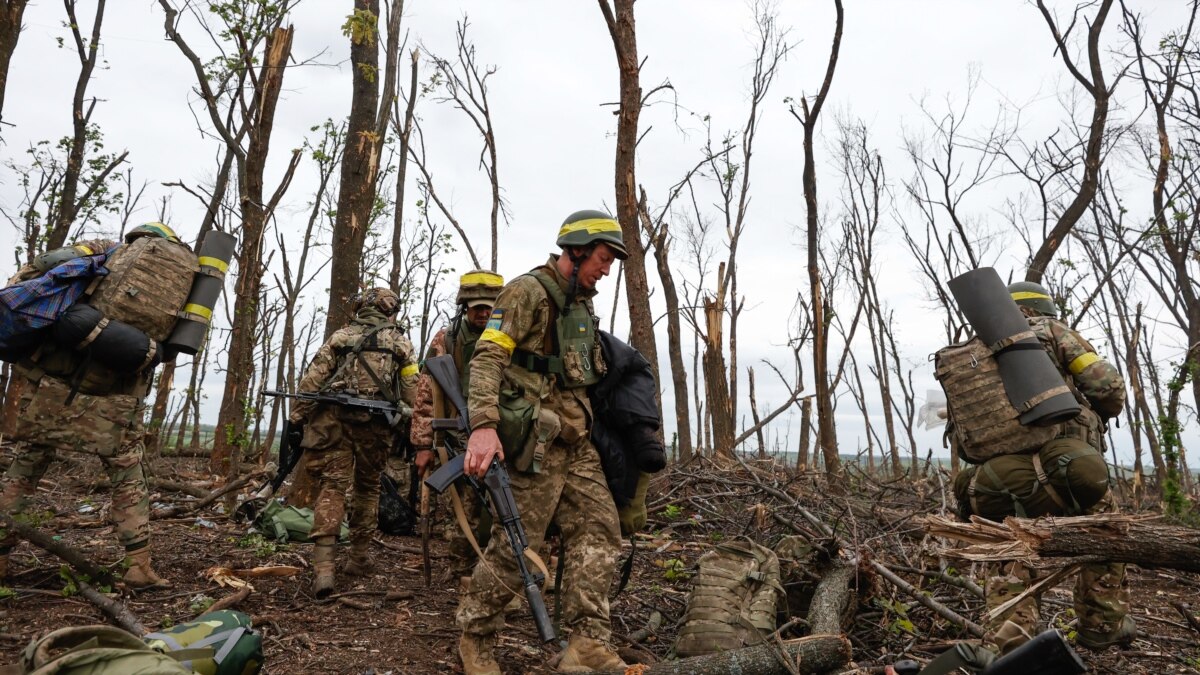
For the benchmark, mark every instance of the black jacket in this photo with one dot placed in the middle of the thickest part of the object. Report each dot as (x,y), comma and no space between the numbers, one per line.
(627,418)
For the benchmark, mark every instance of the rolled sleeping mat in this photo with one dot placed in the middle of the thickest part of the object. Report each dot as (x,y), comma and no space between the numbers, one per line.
(1035,387)
(115,345)
(215,253)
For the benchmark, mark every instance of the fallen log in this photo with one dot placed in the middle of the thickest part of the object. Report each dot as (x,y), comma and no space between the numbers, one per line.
(115,609)
(74,558)
(812,654)
(833,601)
(1052,541)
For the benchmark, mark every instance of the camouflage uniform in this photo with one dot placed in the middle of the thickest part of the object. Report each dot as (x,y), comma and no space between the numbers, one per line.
(1101,597)
(430,405)
(570,489)
(344,445)
(109,427)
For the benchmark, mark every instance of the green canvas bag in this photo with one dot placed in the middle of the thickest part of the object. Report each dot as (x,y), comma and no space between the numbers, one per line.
(290,523)
(94,650)
(1065,477)
(227,642)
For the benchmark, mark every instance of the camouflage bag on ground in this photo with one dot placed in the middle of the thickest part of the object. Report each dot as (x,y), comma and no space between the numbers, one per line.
(228,644)
(983,421)
(733,600)
(93,650)
(1066,477)
(290,523)
(147,285)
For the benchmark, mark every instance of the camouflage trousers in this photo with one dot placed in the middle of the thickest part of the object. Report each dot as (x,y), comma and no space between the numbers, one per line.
(342,450)
(1101,599)
(109,427)
(572,492)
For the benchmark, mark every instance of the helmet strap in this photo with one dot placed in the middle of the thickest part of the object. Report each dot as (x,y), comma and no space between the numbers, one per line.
(573,282)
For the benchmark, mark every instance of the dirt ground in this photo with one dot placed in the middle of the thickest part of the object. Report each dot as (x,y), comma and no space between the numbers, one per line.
(366,633)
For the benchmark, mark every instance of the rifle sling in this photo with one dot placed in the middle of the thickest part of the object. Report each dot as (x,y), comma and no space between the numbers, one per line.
(460,515)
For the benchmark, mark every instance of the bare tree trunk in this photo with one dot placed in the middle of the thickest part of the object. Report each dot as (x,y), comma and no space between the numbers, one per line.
(1094,153)
(762,447)
(805,434)
(826,427)
(716,381)
(365,132)
(230,438)
(158,412)
(402,172)
(624,36)
(10,32)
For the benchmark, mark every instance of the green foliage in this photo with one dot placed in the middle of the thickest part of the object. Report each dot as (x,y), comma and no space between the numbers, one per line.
(262,547)
(167,622)
(70,588)
(1175,501)
(362,27)
(674,569)
(900,623)
(6,593)
(200,604)
(672,511)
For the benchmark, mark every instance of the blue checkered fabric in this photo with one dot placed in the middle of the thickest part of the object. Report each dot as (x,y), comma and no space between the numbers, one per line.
(31,305)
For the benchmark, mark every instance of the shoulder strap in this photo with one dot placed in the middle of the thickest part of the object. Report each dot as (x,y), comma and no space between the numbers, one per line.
(356,355)
(550,363)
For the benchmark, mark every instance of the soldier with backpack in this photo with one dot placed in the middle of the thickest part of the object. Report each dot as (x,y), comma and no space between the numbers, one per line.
(83,387)
(1063,474)
(370,358)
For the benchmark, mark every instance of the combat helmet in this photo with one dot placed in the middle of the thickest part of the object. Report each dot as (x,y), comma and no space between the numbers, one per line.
(1034,296)
(589,227)
(152,230)
(478,287)
(382,299)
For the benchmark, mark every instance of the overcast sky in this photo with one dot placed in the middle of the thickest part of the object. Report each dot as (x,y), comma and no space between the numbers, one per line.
(555,135)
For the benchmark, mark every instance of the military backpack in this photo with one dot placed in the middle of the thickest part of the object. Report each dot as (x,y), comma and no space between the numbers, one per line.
(147,286)
(733,600)
(93,650)
(217,643)
(984,423)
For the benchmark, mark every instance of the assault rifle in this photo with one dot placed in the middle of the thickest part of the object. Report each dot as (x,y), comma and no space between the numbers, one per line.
(494,488)
(1046,654)
(394,414)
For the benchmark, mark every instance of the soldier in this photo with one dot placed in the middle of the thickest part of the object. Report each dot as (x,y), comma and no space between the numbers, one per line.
(369,358)
(50,419)
(1101,595)
(534,362)
(477,291)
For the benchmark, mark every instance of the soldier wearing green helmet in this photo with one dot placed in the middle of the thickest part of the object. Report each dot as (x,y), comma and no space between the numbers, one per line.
(1033,296)
(535,360)
(1101,597)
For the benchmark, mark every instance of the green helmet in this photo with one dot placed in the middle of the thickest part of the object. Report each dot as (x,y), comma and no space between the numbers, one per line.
(152,230)
(479,287)
(585,228)
(1034,296)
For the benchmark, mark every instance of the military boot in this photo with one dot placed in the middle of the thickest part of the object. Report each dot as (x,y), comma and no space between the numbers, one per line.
(583,655)
(138,573)
(360,559)
(1122,635)
(322,562)
(476,654)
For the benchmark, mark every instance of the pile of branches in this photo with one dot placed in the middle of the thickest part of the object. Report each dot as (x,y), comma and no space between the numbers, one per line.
(866,569)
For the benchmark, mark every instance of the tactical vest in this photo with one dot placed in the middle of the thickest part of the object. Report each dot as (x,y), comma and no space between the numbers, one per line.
(733,600)
(460,342)
(367,367)
(572,356)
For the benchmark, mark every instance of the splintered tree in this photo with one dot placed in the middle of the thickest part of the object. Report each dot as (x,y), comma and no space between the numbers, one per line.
(370,116)
(807,116)
(239,93)
(623,31)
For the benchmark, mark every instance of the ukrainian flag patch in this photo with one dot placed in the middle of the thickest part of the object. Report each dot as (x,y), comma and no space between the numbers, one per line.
(496,320)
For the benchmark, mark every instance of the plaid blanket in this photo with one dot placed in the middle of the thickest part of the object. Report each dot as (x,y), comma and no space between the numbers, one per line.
(29,306)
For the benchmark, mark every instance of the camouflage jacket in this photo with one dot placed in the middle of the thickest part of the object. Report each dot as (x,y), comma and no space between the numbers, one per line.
(391,358)
(1097,380)
(523,318)
(430,403)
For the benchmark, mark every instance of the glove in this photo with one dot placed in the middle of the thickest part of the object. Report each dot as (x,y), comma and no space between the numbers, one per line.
(648,451)
(295,434)
(633,515)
